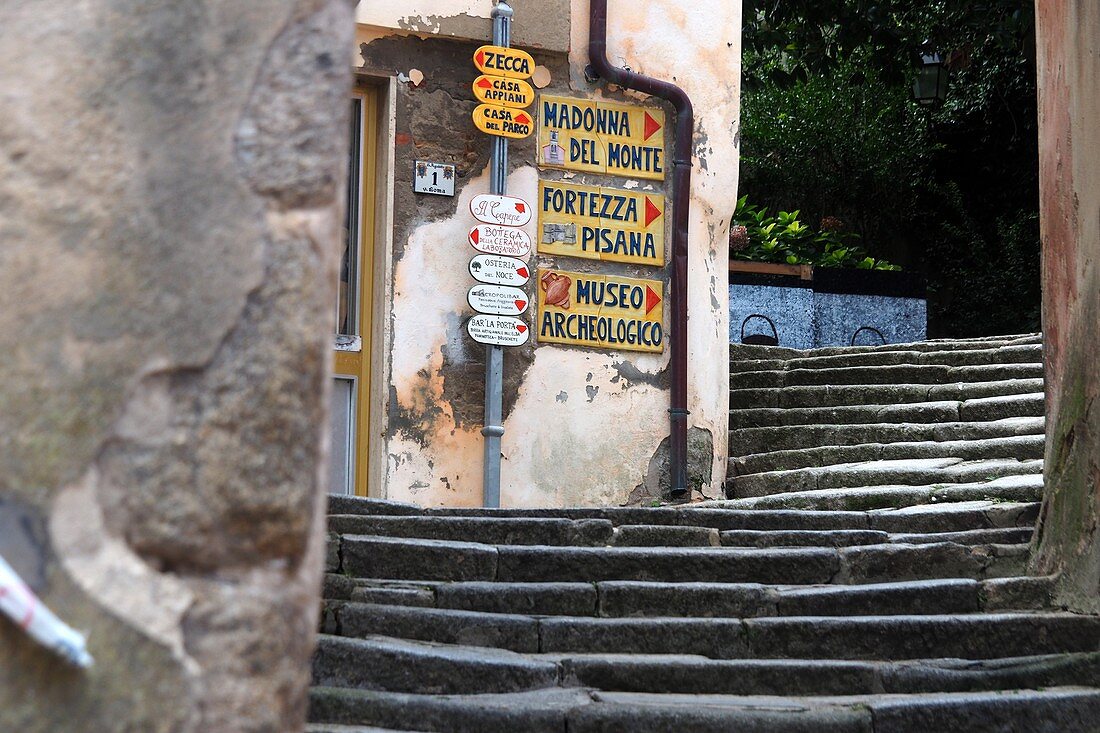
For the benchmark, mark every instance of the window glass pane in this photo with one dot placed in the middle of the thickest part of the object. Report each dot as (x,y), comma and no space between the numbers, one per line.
(347,298)
(343,414)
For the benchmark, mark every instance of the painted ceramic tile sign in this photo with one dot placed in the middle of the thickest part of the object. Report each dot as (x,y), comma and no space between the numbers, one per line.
(600,311)
(498,330)
(601,137)
(497,270)
(609,224)
(508,211)
(497,300)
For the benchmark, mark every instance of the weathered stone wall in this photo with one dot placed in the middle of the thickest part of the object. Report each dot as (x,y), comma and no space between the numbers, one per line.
(1069,107)
(169,213)
(582,426)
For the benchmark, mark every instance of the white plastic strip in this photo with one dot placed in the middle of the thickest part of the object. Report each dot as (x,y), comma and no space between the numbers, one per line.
(22,606)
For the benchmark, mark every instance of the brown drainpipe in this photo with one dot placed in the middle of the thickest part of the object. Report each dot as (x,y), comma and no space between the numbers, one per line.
(681,198)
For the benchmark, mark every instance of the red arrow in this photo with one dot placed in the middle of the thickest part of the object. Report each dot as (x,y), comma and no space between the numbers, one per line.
(485,84)
(523,119)
(521,207)
(480,58)
(521,328)
(522,272)
(651,126)
(651,299)
(520,304)
(652,211)
(475,233)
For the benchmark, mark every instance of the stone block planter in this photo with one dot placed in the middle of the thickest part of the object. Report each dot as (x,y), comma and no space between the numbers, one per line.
(802,307)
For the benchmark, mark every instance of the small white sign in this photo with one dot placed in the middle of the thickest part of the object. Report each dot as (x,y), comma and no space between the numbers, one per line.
(497,240)
(498,330)
(497,270)
(437,178)
(508,211)
(497,300)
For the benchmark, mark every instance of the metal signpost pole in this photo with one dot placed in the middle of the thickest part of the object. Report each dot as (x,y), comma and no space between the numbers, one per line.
(494,355)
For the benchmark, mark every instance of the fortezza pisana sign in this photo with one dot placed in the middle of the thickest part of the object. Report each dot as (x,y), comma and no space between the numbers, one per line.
(601,137)
(599,223)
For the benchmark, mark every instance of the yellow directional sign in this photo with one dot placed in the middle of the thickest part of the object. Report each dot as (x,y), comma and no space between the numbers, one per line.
(503,121)
(600,311)
(501,61)
(503,91)
(601,137)
(608,224)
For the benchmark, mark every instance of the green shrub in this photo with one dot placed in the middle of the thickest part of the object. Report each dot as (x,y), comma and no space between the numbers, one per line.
(756,236)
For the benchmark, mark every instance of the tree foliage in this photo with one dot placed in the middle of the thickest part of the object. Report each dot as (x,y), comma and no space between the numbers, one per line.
(829,127)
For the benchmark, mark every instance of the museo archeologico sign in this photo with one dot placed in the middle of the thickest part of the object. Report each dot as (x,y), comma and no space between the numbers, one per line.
(508,211)
(498,270)
(601,137)
(600,311)
(497,300)
(596,223)
(498,330)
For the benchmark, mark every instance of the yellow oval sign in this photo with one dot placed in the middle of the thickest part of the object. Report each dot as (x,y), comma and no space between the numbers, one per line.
(500,61)
(503,121)
(503,91)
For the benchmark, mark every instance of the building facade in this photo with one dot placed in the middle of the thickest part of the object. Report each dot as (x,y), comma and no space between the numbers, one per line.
(586,397)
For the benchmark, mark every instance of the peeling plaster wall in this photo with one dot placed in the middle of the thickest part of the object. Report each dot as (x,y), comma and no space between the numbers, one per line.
(582,426)
(546,23)
(1069,143)
(170,207)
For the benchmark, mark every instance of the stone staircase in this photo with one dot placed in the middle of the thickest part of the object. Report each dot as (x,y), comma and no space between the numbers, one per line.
(904,610)
(889,426)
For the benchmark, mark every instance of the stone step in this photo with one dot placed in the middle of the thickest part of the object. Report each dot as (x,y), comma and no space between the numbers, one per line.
(891,637)
(753,476)
(410,559)
(396,665)
(855,537)
(879,394)
(1056,710)
(682,674)
(868,498)
(749,351)
(334,728)
(716,515)
(531,712)
(930,374)
(616,599)
(1017,449)
(747,441)
(1053,710)
(491,530)
(988,408)
(1012,354)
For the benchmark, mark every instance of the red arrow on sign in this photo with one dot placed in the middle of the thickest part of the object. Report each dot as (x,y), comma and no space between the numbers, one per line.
(480,58)
(651,126)
(523,119)
(485,84)
(652,211)
(522,272)
(651,299)
(475,234)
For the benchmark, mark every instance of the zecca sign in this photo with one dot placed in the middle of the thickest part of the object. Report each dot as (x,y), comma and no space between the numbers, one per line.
(609,224)
(501,61)
(600,311)
(601,137)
